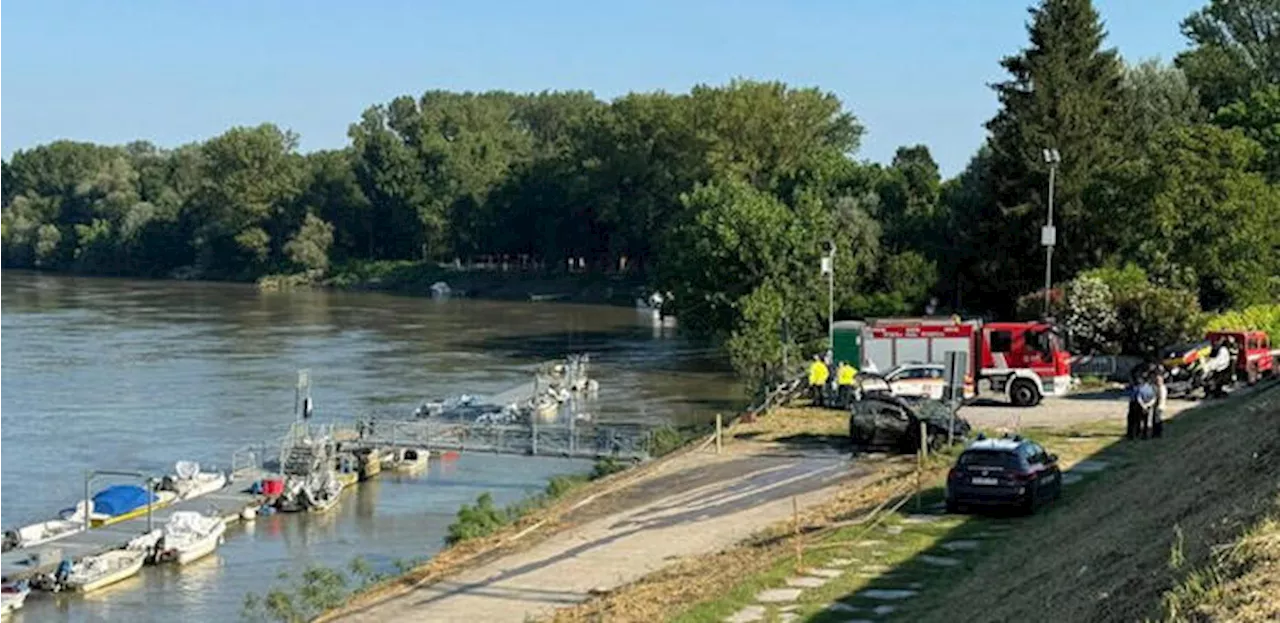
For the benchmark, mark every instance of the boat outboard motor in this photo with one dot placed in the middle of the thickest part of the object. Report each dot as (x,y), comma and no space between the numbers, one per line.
(10,540)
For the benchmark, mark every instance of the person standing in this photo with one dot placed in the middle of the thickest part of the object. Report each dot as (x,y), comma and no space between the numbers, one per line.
(818,374)
(845,374)
(1157,415)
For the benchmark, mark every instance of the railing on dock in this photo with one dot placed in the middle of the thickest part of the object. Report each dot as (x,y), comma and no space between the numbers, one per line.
(572,439)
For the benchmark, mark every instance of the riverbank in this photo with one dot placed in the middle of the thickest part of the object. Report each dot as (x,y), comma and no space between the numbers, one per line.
(1210,544)
(513,284)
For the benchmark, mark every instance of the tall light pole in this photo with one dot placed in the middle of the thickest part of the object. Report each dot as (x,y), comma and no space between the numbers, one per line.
(1049,235)
(829,269)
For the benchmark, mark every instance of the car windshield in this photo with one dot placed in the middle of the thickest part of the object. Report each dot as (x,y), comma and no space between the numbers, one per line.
(988,458)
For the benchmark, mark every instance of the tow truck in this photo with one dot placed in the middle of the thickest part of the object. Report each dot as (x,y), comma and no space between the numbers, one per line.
(1022,361)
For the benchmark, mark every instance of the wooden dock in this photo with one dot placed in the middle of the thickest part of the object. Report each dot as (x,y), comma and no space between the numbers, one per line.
(23,563)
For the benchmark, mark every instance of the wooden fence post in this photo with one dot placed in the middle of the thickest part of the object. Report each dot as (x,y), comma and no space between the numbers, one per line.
(795,522)
(719,433)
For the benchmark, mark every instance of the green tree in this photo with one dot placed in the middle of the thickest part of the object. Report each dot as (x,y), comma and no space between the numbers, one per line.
(1063,93)
(1258,116)
(393,179)
(1235,49)
(250,178)
(1156,97)
(309,247)
(1207,213)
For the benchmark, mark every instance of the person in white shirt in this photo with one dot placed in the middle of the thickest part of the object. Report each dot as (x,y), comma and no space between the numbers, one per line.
(1162,397)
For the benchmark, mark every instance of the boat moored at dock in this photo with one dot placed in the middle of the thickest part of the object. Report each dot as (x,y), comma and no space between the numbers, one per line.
(118,503)
(96,572)
(189,536)
(407,460)
(189,482)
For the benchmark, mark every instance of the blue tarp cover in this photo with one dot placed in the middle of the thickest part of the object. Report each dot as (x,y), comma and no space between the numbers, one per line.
(120,499)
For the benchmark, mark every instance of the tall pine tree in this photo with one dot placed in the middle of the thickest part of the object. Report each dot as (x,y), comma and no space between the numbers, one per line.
(1062,93)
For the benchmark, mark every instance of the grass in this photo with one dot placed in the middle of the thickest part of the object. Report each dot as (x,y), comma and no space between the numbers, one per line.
(483,518)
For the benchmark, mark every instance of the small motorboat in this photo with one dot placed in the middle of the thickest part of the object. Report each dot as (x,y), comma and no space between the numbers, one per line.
(46,531)
(12,597)
(408,459)
(189,482)
(121,502)
(189,536)
(95,572)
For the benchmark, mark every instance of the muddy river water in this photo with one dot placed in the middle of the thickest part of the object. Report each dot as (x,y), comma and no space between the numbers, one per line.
(135,375)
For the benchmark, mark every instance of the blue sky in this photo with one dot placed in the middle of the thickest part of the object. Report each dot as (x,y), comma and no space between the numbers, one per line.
(913,71)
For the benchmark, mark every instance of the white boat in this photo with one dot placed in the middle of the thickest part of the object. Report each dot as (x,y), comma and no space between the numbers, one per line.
(105,569)
(189,536)
(189,482)
(321,493)
(52,530)
(408,459)
(12,597)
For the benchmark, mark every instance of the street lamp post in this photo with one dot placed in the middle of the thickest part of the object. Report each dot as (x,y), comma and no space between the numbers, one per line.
(829,268)
(1049,235)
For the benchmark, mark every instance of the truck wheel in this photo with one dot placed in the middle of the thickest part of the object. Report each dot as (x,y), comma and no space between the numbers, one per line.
(1023,393)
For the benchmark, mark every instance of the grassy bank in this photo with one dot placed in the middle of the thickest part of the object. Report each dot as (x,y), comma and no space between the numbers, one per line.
(410,277)
(714,587)
(1182,528)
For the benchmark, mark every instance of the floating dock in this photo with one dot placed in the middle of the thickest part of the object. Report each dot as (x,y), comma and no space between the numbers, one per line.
(271,458)
(228,503)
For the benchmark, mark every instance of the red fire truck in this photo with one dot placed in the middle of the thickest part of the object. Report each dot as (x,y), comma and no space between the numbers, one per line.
(1023,361)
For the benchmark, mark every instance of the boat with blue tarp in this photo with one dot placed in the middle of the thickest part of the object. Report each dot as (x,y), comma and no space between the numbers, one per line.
(122,502)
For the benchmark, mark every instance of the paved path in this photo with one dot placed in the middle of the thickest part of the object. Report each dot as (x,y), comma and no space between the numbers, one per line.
(1065,411)
(701,503)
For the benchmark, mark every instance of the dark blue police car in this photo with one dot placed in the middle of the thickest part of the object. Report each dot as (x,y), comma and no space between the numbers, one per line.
(1010,471)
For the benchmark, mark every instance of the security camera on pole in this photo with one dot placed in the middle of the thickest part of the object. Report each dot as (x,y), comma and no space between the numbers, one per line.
(1048,234)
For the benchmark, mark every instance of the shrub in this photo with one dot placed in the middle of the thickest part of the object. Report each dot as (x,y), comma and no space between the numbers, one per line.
(1090,315)
(1151,317)
(1263,317)
(476,521)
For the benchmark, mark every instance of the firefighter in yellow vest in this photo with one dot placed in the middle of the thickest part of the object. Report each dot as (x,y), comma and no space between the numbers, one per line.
(845,374)
(818,374)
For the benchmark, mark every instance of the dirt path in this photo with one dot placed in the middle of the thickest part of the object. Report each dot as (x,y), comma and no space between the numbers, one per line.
(700,503)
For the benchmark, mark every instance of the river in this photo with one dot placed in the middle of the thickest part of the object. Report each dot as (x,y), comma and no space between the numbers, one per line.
(128,374)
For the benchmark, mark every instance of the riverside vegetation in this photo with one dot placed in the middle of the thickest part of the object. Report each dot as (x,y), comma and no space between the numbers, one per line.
(725,195)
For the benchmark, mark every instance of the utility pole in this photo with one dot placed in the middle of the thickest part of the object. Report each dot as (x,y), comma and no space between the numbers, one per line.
(829,268)
(1049,235)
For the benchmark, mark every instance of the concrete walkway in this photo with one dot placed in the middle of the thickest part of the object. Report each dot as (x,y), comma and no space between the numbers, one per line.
(700,503)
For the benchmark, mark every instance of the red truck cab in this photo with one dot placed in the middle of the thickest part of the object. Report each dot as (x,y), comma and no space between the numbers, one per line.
(1027,360)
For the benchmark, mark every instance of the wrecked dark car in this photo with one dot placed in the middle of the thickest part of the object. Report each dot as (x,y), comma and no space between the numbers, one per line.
(887,422)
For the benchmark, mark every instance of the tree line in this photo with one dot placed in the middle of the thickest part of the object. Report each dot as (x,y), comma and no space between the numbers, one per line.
(726,195)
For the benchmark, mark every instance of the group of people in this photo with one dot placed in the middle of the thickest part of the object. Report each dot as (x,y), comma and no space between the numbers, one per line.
(1147,404)
(830,390)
